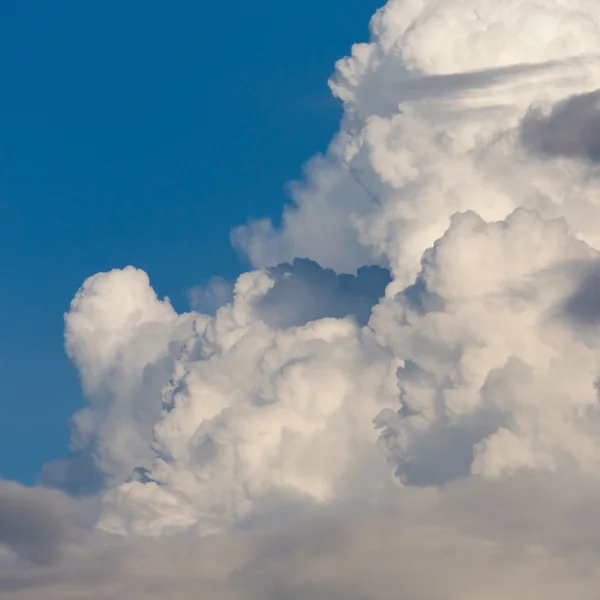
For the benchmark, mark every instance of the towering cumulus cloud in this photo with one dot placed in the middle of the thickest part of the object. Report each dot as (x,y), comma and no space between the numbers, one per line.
(413,401)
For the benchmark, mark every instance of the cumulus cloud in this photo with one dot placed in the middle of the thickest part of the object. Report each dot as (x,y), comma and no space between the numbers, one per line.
(409,411)
(250,406)
(495,380)
(433,107)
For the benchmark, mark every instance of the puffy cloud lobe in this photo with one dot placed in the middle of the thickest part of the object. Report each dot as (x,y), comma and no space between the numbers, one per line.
(321,229)
(495,380)
(479,34)
(124,342)
(253,400)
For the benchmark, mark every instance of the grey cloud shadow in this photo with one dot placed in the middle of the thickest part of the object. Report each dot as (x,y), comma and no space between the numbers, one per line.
(304,291)
(570,130)
(582,306)
(32,524)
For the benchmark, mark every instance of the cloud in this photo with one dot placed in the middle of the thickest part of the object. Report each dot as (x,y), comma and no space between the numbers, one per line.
(410,411)
(231,422)
(124,342)
(493,381)
(444,382)
(432,113)
(430,544)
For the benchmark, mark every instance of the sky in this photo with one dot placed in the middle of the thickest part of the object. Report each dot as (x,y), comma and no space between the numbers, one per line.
(141,133)
(380,381)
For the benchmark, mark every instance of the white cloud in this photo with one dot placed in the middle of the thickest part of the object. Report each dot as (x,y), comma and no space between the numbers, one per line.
(496,378)
(248,416)
(465,166)
(124,342)
(432,112)
(209,422)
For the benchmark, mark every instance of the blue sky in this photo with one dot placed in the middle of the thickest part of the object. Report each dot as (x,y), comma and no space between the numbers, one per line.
(141,133)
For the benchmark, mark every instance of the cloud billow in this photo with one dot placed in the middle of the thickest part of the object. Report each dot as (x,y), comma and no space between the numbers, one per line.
(425,428)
